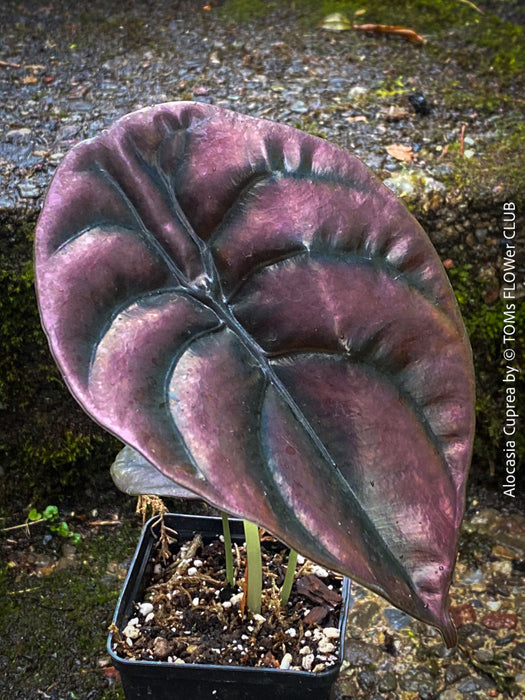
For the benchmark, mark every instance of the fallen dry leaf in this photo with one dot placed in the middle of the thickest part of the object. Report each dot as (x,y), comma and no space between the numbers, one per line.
(359,118)
(394,114)
(403,32)
(29,80)
(400,152)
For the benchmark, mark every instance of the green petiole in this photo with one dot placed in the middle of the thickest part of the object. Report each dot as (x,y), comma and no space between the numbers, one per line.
(289,577)
(254,568)
(228,549)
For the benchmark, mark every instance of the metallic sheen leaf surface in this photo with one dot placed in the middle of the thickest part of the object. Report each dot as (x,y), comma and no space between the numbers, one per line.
(254,312)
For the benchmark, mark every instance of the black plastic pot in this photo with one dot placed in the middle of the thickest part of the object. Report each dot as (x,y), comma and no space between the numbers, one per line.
(161,680)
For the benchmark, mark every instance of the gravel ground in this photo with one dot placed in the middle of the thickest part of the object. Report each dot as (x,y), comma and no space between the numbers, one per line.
(69,70)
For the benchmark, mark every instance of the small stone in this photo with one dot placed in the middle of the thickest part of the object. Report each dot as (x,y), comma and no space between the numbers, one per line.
(359,653)
(326,647)
(462,614)
(16,134)
(305,650)
(259,618)
(418,680)
(473,577)
(367,679)
(357,91)
(364,615)
(483,656)
(291,632)
(331,633)
(227,604)
(519,651)
(161,647)
(145,608)
(473,684)
(451,694)
(28,191)
(320,571)
(299,107)
(500,620)
(286,661)
(455,672)
(397,619)
(236,599)
(307,662)
(197,563)
(388,682)
(192,571)
(502,567)
(195,601)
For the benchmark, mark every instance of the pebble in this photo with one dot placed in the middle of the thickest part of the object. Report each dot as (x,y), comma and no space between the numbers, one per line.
(519,651)
(307,662)
(326,647)
(331,632)
(286,661)
(397,619)
(130,631)
(145,609)
(28,191)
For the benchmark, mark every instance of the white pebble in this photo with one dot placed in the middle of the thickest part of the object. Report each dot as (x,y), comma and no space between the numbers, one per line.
(145,608)
(197,563)
(259,618)
(226,604)
(157,569)
(179,661)
(307,662)
(192,571)
(305,650)
(331,632)
(130,632)
(308,633)
(129,642)
(286,661)
(149,617)
(318,668)
(326,647)
(291,632)
(195,601)
(300,559)
(319,571)
(236,599)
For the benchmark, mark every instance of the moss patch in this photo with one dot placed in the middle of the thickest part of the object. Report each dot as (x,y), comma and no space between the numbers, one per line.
(47,444)
(58,650)
(484,323)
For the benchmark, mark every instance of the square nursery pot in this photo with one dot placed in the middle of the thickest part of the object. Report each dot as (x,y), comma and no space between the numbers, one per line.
(162,680)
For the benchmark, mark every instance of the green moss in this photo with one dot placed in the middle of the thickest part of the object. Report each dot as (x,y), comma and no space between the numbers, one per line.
(484,324)
(61,647)
(481,41)
(497,165)
(47,444)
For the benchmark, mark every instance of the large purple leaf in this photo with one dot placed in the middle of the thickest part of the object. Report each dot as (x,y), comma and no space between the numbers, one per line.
(251,310)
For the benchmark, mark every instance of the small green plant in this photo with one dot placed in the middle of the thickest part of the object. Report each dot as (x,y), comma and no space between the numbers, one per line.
(51,517)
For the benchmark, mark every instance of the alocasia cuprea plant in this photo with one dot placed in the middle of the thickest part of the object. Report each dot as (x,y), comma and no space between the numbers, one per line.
(254,312)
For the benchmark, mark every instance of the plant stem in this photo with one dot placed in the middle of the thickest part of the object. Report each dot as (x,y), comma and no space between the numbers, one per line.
(227,549)
(254,567)
(288,579)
